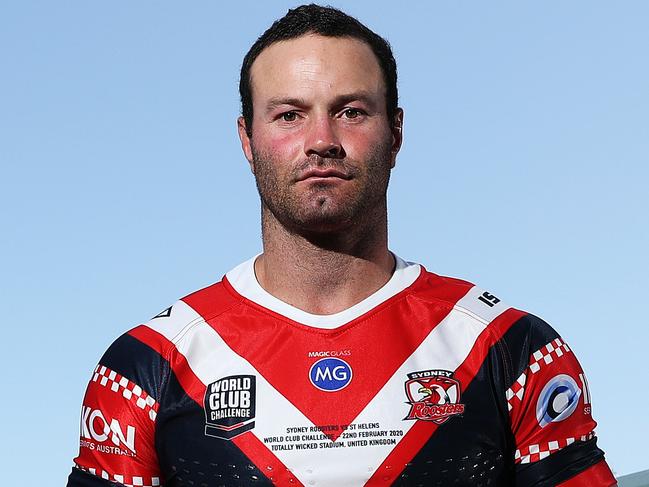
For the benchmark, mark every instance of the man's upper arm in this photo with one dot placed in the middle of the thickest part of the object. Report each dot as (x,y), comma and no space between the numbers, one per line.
(550,412)
(118,419)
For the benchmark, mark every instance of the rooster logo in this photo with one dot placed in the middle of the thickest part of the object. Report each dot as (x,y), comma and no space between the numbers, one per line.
(433,396)
(433,393)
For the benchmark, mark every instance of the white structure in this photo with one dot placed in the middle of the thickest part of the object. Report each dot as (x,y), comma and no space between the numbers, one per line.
(638,479)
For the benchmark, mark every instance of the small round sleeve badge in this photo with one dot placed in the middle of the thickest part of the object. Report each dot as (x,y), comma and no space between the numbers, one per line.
(558,400)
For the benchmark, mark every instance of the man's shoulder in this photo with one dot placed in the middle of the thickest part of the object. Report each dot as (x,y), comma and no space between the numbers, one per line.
(199,306)
(480,303)
(169,324)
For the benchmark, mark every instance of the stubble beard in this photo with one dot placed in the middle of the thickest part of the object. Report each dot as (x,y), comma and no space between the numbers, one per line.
(321,210)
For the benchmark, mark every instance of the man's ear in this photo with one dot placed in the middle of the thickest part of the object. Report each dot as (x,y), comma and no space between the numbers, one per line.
(397,135)
(245,142)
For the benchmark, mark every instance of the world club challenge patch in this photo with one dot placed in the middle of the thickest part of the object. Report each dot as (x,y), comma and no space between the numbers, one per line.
(230,406)
(433,395)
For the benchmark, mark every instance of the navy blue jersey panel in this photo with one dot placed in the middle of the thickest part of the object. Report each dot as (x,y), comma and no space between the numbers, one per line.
(446,460)
(79,478)
(188,456)
(138,362)
(525,337)
(560,466)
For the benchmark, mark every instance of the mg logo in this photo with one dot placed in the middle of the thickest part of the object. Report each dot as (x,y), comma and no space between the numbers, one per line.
(330,374)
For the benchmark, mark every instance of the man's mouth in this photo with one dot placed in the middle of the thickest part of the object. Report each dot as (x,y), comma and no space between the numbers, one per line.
(322,173)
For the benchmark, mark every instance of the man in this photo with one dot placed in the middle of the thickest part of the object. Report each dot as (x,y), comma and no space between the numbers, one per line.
(327,360)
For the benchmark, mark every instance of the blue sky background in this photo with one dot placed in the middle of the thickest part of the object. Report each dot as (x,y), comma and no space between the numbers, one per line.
(123,186)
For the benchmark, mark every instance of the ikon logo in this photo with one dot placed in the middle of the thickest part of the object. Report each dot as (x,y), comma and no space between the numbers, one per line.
(94,426)
(330,374)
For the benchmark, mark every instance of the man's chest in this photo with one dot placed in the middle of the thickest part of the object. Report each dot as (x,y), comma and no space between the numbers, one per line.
(402,398)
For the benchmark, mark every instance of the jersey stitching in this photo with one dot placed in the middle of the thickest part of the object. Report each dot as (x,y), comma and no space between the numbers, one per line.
(470,314)
(167,351)
(507,361)
(195,322)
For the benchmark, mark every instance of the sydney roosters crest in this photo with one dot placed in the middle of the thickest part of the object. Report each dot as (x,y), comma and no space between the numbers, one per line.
(433,395)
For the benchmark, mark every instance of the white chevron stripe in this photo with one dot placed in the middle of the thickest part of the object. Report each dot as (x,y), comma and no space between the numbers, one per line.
(210,358)
(461,329)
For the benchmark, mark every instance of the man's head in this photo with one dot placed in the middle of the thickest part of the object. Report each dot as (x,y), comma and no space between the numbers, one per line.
(327,22)
(322,133)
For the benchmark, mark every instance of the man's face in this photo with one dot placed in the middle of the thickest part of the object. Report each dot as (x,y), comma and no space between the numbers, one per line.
(322,145)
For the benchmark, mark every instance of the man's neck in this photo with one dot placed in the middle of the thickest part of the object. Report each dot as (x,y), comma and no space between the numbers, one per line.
(323,274)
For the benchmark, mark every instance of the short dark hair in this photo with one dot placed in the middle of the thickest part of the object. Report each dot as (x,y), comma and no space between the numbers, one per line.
(324,21)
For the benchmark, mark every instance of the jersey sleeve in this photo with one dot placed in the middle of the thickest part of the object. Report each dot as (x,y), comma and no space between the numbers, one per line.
(550,412)
(118,419)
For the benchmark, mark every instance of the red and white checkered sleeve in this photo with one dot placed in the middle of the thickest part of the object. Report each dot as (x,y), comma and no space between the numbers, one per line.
(117,431)
(550,409)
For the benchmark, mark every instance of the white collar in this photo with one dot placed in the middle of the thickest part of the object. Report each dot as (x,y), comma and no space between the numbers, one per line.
(243,280)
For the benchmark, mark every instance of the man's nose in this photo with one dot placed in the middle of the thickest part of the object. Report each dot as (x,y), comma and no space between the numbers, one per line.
(322,139)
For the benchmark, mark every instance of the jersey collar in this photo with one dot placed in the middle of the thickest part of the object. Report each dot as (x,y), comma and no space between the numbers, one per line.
(242,278)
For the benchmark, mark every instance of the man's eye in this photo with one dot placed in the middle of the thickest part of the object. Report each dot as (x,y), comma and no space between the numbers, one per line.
(352,113)
(289,116)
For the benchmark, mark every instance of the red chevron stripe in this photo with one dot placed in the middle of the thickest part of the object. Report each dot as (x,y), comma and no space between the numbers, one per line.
(269,342)
(265,460)
(248,443)
(422,431)
(252,335)
(191,384)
